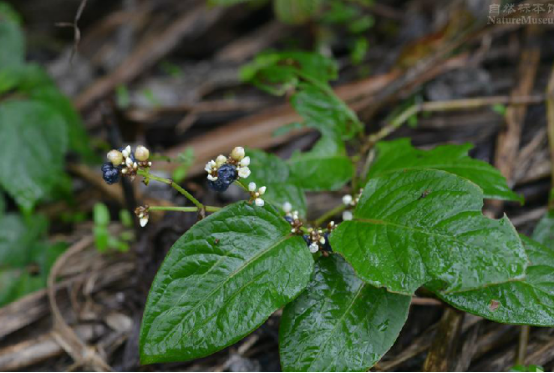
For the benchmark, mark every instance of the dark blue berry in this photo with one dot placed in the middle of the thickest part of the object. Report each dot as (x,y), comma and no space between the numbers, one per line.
(307,239)
(289,219)
(327,246)
(110,173)
(131,155)
(225,176)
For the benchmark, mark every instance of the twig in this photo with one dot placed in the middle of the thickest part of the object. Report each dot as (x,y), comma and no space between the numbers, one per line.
(522,344)
(62,333)
(550,129)
(76,30)
(441,355)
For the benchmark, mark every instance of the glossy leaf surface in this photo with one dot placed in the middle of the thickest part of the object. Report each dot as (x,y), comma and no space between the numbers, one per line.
(544,231)
(416,226)
(221,280)
(401,155)
(528,301)
(339,323)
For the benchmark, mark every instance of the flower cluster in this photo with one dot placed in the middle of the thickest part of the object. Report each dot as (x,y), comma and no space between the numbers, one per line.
(256,196)
(350,202)
(225,170)
(125,162)
(142,213)
(293,218)
(318,239)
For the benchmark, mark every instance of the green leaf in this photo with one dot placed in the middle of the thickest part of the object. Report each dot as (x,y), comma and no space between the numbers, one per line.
(400,155)
(12,52)
(528,301)
(17,238)
(544,231)
(415,226)
(220,281)
(296,11)
(273,172)
(339,323)
(33,142)
(325,112)
(279,72)
(325,167)
(529,368)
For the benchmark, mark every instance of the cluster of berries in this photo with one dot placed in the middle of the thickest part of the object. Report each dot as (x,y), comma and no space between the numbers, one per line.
(143,214)
(256,196)
(350,202)
(225,170)
(124,161)
(316,239)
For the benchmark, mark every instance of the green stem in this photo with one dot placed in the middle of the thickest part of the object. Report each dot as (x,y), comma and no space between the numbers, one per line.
(183,209)
(174,185)
(329,214)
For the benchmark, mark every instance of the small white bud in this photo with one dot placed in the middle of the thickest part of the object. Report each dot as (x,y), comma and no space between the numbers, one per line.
(287,207)
(259,202)
(262,190)
(252,186)
(314,248)
(115,157)
(127,151)
(238,153)
(209,166)
(347,199)
(347,215)
(143,221)
(220,160)
(142,153)
(135,165)
(124,170)
(212,178)
(245,162)
(244,172)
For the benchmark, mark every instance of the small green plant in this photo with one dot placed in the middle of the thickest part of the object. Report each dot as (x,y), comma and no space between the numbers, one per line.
(103,239)
(411,219)
(528,368)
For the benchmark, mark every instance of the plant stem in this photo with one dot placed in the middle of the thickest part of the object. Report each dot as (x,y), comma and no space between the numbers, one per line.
(329,214)
(174,185)
(183,209)
(550,131)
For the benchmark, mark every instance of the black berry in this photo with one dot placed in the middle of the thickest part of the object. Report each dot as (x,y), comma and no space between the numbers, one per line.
(327,246)
(289,219)
(110,173)
(307,239)
(225,176)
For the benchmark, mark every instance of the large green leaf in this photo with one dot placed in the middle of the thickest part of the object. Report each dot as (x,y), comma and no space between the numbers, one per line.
(401,155)
(273,172)
(544,232)
(416,226)
(17,238)
(220,281)
(12,42)
(528,301)
(33,141)
(339,323)
(325,167)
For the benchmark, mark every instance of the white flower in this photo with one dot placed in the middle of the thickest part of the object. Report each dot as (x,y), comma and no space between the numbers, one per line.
(322,240)
(129,162)
(212,178)
(252,187)
(259,202)
(220,160)
(238,153)
(209,166)
(143,221)
(245,162)
(347,215)
(244,172)
(262,190)
(313,248)
(127,151)
(347,199)
(287,207)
